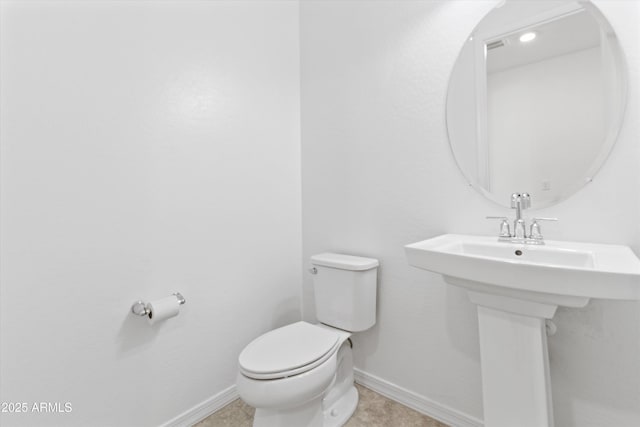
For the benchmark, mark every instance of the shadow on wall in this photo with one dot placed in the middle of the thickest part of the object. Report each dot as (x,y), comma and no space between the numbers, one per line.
(136,334)
(462,321)
(365,344)
(601,334)
(286,311)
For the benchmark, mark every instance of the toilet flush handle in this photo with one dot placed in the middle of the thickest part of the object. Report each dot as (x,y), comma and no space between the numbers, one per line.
(313,270)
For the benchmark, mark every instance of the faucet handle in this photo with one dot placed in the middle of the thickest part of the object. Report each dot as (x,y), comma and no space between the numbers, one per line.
(523,200)
(505,230)
(534,232)
(544,219)
(515,198)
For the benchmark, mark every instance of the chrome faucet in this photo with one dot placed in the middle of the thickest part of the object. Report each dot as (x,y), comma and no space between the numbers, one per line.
(520,202)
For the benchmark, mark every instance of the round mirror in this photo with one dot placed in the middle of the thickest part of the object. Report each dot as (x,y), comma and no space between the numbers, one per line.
(536,99)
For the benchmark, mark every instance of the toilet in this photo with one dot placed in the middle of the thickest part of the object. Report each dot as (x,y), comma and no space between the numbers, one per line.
(302,374)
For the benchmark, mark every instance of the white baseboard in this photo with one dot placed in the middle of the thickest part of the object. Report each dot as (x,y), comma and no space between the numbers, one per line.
(415,401)
(401,395)
(204,409)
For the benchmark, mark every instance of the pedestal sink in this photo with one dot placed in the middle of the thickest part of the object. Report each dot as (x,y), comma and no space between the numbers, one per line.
(517,287)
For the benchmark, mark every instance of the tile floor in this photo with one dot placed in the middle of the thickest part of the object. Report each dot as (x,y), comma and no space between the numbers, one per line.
(373,410)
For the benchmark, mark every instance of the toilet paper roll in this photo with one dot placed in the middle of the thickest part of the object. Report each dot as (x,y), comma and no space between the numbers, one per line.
(163,308)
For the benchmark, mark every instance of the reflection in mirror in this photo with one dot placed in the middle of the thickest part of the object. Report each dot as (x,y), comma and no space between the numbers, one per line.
(535,100)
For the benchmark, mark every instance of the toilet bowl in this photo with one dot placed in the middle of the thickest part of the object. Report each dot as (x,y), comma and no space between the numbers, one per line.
(302,374)
(287,374)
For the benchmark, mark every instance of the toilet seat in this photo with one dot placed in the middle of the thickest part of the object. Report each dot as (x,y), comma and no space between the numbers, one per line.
(287,351)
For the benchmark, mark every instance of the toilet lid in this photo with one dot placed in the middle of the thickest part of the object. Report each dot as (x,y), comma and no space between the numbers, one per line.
(287,351)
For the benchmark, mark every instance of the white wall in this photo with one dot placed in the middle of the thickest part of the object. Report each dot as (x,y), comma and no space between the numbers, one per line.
(378,174)
(147,148)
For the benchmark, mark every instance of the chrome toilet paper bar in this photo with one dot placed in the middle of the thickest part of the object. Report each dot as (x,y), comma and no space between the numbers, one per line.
(140,307)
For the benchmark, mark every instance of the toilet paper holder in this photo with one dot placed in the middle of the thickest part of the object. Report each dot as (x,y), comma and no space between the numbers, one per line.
(139,308)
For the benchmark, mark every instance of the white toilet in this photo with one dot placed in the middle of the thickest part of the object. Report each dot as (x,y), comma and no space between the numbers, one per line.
(301,375)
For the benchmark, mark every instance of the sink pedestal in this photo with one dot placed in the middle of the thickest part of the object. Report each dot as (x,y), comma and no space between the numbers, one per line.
(515,369)
(516,385)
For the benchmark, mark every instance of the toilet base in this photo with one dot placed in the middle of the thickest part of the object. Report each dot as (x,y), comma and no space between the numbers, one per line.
(311,414)
(307,415)
(338,414)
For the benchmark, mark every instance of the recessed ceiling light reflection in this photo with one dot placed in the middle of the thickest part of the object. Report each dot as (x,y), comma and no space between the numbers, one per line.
(527,37)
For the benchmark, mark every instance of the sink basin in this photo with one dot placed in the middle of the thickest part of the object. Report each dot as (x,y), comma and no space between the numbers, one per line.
(517,288)
(573,272)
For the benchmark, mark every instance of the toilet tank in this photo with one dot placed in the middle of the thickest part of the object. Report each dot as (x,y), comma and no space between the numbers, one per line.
(345,290)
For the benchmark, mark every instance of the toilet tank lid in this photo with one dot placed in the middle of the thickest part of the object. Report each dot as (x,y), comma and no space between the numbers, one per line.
(344,262)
